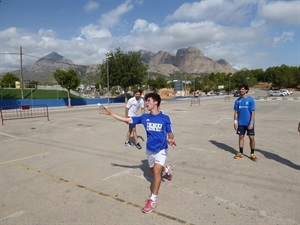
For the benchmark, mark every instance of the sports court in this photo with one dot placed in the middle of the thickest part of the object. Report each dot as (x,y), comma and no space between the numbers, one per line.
(74,169)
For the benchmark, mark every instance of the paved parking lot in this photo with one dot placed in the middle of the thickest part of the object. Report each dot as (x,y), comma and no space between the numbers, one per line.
(75,170)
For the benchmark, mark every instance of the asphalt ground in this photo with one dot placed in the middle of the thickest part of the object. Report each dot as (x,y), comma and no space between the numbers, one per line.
(75,169)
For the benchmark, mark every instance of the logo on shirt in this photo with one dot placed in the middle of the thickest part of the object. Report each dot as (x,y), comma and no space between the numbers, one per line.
(154,126)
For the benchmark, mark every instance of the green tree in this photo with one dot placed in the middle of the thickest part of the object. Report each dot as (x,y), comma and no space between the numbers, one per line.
(67,79)
(123,69)
(158,83)
(8,80)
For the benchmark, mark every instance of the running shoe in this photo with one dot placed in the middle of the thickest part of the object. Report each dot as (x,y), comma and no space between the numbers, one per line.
(238,156)
(169,174)
(138,146)
(253,157)
(128,144)
(150,205)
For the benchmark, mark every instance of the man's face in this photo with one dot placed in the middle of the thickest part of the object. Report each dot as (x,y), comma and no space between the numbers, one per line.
(243,91)
(137,95)
(150,104)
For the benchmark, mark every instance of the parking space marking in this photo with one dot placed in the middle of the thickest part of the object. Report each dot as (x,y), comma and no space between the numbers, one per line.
(28,157)
(12,216)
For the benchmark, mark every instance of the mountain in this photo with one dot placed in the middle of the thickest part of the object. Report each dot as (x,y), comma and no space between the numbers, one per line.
(186,60)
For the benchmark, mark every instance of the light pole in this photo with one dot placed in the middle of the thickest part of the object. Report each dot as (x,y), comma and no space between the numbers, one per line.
(148,83)
(229,87)
(107,74)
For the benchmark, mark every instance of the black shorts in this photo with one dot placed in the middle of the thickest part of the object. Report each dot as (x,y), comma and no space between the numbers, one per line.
(131,126)
(242,130)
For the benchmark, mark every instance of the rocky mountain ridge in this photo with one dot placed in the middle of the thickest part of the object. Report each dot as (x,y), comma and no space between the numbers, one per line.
(187,60)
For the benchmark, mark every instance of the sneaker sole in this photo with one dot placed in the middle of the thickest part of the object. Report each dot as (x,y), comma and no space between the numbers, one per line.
(148,211)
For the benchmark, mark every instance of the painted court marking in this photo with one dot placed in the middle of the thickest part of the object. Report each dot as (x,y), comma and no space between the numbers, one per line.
(28,157)
(10,217)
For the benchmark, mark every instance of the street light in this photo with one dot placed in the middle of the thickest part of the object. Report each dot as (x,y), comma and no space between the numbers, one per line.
(107,74)
(229,87)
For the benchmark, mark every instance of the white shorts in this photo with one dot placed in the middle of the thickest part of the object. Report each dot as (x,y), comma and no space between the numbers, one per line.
(159,157)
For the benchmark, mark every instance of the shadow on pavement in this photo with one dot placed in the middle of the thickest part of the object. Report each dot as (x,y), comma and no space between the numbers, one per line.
(144,167)
(266,154)
(278,158)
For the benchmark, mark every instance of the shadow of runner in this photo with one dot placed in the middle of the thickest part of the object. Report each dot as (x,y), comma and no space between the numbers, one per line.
(278,158)
(144,167)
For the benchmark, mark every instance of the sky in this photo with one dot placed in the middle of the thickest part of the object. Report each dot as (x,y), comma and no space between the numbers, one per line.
(252,34)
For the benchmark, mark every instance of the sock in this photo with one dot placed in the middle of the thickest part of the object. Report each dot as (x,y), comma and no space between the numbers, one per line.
(252,150)
(241,150)
(153,197)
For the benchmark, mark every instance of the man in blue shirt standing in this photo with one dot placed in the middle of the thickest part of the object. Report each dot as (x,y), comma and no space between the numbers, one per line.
(159,131)
(244,121)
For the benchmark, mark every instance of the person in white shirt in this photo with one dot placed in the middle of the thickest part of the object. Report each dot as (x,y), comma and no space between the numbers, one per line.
(132,108)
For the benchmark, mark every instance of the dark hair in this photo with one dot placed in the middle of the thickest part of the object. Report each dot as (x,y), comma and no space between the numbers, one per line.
(246,86)
(154,96)
(136,91)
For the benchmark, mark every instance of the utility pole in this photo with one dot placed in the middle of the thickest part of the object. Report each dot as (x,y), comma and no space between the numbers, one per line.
(21,73)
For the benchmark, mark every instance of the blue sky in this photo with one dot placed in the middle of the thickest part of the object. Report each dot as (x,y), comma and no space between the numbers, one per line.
(249,34)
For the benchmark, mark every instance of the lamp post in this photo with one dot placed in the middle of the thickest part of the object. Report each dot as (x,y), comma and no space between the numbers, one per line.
(107,74)
(229,87)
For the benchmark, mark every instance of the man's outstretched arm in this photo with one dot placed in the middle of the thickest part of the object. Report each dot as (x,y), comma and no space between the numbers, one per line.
(106,111)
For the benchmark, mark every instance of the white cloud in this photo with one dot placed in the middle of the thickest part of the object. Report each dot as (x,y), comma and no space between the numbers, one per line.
(283,38)
(113,17)
(91,6)
(94,31)
(283,12)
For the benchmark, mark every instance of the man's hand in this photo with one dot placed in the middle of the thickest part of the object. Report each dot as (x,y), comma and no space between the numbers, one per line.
(172,143)
(104,110)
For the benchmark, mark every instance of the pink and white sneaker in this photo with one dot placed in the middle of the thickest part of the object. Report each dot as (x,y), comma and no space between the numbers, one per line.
(150,205)
(169,174)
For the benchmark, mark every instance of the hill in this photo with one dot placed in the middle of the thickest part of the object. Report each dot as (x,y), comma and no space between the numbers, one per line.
(186,60)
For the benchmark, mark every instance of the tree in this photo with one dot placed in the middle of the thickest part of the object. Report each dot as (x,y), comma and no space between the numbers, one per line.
(158,83)
(67,79)
(8,80)
(124,69)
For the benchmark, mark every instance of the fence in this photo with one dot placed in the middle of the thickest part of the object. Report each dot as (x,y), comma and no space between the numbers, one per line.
(23,112)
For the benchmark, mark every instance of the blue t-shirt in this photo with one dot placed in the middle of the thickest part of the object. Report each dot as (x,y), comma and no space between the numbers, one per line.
(157,128)
(244,108)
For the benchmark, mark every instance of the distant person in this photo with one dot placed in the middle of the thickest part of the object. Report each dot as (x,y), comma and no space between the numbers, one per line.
(159,134)
(244,121)
(133,105)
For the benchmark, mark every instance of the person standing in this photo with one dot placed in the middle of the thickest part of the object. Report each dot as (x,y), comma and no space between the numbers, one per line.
(159,131)
(244,121)
(133,105)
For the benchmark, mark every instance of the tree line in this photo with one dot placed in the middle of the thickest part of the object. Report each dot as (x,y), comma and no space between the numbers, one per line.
(127,70)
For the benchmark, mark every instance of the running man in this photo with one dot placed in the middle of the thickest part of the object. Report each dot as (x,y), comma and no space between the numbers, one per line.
(159,131)
(133,105)
(244,120)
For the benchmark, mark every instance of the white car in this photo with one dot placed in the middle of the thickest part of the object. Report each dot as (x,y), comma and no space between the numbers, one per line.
(286,91)
(276,93)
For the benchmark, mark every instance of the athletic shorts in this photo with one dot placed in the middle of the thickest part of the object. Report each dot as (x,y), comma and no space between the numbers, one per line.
(242,130)
(159,157)
(131,126)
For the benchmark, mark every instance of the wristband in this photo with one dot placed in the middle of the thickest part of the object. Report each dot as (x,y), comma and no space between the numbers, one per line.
(235,122)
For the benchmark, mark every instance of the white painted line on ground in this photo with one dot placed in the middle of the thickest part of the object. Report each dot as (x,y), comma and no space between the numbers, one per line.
(201,150)
(28,157)
(118,174)
(8,135)
(223,118)
(12,216)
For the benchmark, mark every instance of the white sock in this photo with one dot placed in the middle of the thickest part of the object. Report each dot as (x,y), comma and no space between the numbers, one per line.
(153,197)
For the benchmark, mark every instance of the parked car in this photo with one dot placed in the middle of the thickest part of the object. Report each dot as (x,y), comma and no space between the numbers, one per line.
(237,94)
(286,91)
(276,93)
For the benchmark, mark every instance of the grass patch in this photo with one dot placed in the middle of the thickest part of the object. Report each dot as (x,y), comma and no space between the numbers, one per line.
(15,94)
